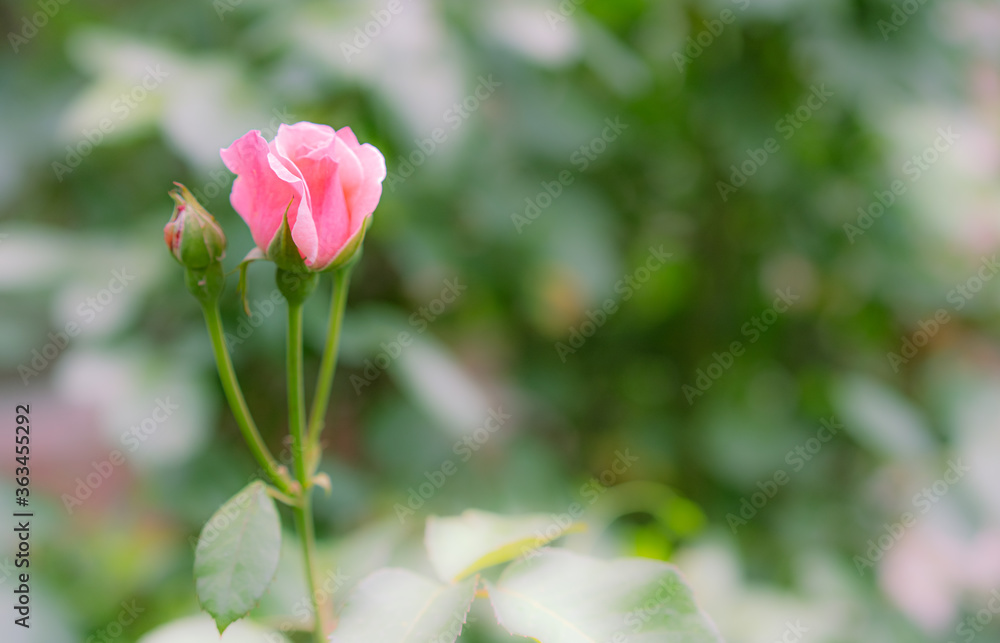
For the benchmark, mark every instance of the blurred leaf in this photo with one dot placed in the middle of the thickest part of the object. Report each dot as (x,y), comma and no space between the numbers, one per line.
(398,606)
(462,545)
(649,541)
(682,516)
(881,419)
(199,629)
(562,597)
(441,384)
(237,555)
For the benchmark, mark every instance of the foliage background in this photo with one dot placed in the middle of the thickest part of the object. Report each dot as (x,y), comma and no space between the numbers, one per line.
(232,66)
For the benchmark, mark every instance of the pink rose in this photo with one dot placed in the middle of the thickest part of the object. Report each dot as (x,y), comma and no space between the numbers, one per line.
(328,183)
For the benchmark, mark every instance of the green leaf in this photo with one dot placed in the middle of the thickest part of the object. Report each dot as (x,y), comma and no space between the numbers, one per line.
(237,555)
(557,596)
(399,606)
(459,546)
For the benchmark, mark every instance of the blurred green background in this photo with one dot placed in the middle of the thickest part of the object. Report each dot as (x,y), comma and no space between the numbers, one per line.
(549,162)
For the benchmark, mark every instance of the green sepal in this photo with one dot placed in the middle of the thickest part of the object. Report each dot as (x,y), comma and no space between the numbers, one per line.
(351,252)
(283,251)
(254,255)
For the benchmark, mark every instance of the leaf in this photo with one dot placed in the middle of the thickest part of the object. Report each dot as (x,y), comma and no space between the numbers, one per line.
(237,555)
(558,596)
(201,629)
(459,546)
(399,606)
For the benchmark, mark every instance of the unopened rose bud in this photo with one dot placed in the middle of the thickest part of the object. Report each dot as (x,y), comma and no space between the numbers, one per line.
(193,235)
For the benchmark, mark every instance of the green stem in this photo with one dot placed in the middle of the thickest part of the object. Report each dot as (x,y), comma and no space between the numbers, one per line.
(297,427)
(306,528)
(237,403)
(296,393)
(321,399)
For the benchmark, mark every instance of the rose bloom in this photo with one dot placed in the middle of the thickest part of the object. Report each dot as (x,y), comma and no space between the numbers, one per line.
(327,182)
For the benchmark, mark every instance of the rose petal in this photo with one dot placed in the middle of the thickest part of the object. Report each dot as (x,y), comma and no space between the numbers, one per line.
(348,247)
(373,164)
(300,213)
(346,134)
(351,174)
(298,140)
(331,215)
(260,194)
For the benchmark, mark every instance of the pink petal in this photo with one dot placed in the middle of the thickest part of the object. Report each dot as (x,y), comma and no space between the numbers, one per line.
(373,165)
(260,194)
(300,213)
(351,173)
(346,134)
(322,175)
(298,140)
(347,242)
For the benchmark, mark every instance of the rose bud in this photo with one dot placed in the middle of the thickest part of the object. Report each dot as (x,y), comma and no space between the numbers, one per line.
(193,235)
(308,195)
